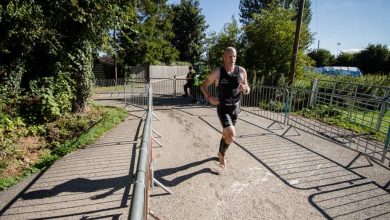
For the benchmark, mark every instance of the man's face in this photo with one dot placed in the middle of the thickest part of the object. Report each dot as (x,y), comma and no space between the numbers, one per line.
(229,57)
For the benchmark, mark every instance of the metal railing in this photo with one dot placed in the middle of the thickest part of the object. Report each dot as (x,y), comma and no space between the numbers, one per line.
(359,117)
(268,102)
(367,97)
(136,93)
(139,202)
(108,86)
(367,117)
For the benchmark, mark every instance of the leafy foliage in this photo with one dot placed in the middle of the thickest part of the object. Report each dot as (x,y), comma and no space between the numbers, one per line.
(43,38)
(36,147)
(189,26)
(322,57)
(50,98)
(345,59)
(367,84)
(248,8)
(374,59)
(270,37)
(147,37)
(228,37)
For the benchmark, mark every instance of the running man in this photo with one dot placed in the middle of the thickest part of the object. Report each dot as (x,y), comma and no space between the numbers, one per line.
(230,81)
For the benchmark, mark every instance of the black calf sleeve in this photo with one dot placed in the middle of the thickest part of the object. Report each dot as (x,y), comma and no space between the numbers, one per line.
(223,146)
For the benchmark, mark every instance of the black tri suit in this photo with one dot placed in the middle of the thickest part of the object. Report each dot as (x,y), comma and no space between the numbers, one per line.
(229,96)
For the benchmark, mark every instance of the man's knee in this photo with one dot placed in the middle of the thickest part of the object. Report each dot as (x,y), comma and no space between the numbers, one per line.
(229,135)
(229,139)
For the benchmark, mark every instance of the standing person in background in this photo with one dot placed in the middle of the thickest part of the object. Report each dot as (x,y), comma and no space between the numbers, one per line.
(231,81)
(190,81)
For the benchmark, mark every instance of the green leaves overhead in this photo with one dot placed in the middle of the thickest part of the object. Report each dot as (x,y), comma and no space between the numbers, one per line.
(39,38)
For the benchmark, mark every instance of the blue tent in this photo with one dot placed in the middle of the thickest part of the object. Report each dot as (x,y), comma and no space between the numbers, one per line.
(338,70)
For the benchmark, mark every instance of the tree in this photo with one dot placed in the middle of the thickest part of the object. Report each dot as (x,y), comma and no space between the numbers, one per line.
(189,26)
(322,57)
(345,59)
(52,37)
(147,37)
(22,25)
(228,37)
(248,8)
(270,38)
(374,59)
(80,32)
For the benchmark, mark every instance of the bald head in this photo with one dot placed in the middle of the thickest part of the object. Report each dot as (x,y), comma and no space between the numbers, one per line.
(229,56)
(230,50)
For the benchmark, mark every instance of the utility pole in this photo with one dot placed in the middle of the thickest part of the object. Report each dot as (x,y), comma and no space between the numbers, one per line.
(338,48)
(296,42)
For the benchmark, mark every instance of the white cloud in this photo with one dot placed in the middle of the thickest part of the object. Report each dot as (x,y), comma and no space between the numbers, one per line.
(351,50)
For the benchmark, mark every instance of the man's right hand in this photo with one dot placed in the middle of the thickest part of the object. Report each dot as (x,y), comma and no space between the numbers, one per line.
(213,100)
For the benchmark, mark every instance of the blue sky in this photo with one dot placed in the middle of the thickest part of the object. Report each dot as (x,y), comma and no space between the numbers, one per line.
(352,23)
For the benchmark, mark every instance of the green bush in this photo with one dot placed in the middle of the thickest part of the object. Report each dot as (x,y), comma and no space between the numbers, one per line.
(50,98)
(321,112)
(272,105)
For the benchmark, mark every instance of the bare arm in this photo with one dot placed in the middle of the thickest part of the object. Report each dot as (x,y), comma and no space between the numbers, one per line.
(212,79)
(244,86)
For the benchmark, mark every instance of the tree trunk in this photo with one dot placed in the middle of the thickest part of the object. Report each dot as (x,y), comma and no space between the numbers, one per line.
(82,70)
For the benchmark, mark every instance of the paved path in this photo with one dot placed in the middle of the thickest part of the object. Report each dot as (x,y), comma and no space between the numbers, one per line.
(269,176)
(91,183)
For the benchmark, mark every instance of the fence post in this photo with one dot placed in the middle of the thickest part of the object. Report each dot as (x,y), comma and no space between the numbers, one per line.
(174,86)
(386,145)
(313,91)
(383,110)
(124,89)
(333,90)
(287,106)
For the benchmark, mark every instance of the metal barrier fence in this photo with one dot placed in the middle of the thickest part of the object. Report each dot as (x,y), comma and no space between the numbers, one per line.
(109,86)
(366,117)
(163,86)
(139,202)
(372,95)
(318,112)
(367,129)
(268,102)
(135,93)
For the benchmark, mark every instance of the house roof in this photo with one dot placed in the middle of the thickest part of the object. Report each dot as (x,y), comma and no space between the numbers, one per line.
(106,60)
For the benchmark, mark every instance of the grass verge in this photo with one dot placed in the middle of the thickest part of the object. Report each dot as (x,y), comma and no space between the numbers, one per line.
(110,118)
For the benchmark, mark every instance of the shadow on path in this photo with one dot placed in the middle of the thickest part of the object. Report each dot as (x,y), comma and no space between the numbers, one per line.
(160,174)
(84,186)
(342,191)
(361,201)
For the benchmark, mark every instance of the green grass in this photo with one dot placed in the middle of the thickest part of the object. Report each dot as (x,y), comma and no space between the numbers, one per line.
(369,119)
(110,118)
(109,89)
(118,88)
(357,121)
